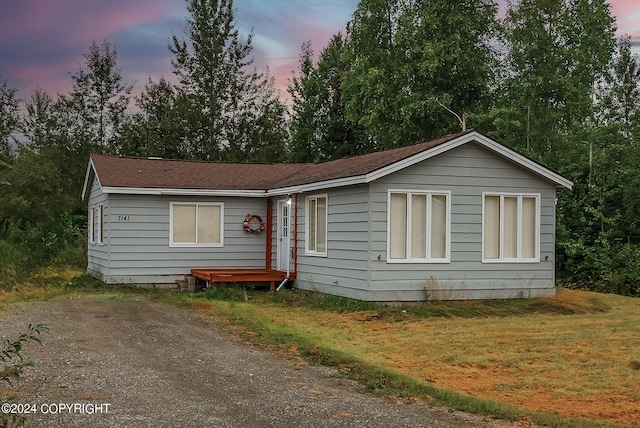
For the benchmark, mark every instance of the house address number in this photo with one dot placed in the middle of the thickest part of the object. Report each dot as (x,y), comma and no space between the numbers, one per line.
(124,218)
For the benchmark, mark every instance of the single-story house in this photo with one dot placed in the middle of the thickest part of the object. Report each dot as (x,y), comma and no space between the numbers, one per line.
(460,217)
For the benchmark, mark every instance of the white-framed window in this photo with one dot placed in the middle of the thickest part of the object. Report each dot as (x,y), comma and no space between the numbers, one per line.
(100,223)
(196,224)
(419,226)
(96,224)
(510,227)
(92,224)
(316,225)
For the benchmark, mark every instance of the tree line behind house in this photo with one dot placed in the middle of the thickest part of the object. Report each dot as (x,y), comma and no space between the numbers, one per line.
(547,78)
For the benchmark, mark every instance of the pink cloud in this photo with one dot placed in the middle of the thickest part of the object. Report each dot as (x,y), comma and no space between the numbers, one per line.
(42,42)
(627,13)
(79,21)
(283,61)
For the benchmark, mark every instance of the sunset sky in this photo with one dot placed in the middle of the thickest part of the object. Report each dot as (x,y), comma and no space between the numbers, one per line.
(42,41)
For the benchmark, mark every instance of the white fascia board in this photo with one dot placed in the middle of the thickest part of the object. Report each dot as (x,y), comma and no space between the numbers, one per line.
(284,191)
(320,185)
(85,186)
(183,192)
(206,192)
(131,190)
(405,163)
(482,140)
(525,162)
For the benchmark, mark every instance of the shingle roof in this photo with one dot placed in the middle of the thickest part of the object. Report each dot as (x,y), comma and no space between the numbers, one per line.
(359,165)
(115,171)
(120,174)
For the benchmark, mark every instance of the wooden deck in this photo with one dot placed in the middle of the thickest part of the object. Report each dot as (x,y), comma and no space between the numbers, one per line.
(233,275)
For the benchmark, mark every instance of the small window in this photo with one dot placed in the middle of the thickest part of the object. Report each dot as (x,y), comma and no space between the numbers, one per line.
(316,225)
(418,226)
(196,225)
(100,223)
(96,224)
(510,229)
(92,225)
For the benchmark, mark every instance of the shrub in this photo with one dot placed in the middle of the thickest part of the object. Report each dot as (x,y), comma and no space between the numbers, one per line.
(13,364)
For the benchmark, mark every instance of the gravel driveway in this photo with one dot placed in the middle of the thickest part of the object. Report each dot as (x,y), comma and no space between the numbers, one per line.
(129,362)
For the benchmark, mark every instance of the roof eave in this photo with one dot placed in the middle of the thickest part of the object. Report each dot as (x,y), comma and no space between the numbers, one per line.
(472,136)
(89,176)
(464,139)
(183,192)
(524,161)
(319,185)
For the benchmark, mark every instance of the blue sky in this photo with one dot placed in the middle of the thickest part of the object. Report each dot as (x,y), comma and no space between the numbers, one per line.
(42,41)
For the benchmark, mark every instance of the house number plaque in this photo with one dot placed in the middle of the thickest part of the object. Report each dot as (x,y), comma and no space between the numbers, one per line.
(121,218)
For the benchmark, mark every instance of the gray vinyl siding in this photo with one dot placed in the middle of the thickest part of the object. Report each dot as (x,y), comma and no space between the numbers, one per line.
(356,264)
(137,250)
(139,247)
(467,172)
(344,270)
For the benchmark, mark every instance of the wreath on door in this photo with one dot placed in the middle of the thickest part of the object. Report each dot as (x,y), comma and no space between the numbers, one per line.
(253,224)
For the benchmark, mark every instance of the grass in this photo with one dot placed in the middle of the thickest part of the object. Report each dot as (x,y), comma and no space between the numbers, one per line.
(570,360)
(63,282)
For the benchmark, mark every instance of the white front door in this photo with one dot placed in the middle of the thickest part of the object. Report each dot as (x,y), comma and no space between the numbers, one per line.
(285,246)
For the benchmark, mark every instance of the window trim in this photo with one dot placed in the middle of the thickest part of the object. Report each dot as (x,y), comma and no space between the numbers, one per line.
(92,224)
(314,252)
(100,224)
(196,244)
(518,258)
(428,194)
(96,214)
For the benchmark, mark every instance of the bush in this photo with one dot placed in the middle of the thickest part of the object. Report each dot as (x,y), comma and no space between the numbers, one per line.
(26,247)
(13,364)
(603,267)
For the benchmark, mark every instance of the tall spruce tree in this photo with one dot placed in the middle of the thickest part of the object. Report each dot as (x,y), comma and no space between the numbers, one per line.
(161,126)
(304,89)
(234,109)
(319,126)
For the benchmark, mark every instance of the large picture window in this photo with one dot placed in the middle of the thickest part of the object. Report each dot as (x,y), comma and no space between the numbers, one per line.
(418,226)
(316,225)
(196,225)
(511,227)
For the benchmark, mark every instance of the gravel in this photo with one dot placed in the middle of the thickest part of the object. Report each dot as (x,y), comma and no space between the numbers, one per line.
(129,362)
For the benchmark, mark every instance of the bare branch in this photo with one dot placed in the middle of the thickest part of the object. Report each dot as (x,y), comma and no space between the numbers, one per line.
(462,120)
